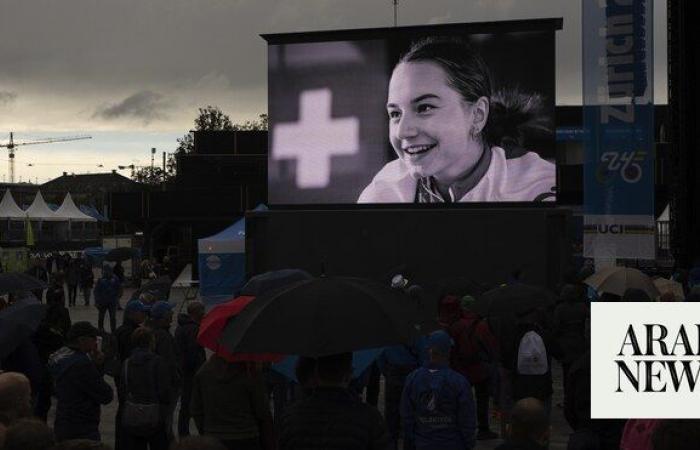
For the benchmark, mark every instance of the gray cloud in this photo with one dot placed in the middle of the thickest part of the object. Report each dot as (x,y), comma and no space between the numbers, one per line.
(146,106)
(7,97)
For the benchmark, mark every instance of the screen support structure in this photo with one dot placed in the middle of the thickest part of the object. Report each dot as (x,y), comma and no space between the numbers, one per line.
(396,12)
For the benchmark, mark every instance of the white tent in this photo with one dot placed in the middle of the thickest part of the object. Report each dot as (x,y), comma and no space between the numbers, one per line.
(68,211)
(9,209)
(39,210)
(665,215)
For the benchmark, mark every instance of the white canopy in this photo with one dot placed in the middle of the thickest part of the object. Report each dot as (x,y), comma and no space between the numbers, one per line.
(9,209)
(39,210)
(665,215)
(68,210)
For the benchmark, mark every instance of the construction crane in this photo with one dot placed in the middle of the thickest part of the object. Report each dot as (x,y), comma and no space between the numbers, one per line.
(12,144)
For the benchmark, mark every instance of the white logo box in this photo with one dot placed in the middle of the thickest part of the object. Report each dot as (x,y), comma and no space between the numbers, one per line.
(610,324)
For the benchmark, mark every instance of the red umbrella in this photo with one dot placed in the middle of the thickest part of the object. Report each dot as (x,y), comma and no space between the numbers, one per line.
(213,324)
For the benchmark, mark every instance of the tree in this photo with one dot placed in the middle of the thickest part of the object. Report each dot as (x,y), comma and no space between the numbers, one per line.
(150,175)
(209,118)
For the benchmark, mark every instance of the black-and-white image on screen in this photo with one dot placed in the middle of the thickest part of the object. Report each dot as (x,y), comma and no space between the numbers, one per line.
(435,115)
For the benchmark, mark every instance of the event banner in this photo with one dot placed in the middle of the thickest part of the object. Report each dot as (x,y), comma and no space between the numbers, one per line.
(428,114)
(618,105)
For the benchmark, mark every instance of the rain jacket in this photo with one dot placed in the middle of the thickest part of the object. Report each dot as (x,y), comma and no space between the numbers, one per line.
(228,403)
(149,380)
(397,361)
(80,390)
(475,350)
(333,419)
(107,289)
(438,410)
(191,354)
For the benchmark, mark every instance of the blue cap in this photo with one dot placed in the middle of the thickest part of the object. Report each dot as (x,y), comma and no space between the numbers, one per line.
(440,340)
(160,309)
(135,306)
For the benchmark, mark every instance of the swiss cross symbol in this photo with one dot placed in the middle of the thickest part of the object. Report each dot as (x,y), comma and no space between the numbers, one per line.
(315,138)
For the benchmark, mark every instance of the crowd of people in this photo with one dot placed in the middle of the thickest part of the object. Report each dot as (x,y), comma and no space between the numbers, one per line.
(441,391)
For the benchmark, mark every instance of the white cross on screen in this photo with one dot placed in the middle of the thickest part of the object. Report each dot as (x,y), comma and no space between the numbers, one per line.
(315,138)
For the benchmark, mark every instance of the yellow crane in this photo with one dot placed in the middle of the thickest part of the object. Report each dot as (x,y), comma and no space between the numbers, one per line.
(12,144)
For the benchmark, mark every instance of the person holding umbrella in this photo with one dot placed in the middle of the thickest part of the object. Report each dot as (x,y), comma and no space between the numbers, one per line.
(229,402)
(332,417)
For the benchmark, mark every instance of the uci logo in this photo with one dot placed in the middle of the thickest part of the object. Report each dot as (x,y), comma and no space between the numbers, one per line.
(610,229)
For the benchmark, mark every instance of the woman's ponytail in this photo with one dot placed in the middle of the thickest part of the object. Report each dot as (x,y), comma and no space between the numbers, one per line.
(515,116)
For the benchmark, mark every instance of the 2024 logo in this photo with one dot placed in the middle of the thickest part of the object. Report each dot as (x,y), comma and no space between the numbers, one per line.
(626,164)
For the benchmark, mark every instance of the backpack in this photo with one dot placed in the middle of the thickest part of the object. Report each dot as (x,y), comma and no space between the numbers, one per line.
(140,418)
(532,355)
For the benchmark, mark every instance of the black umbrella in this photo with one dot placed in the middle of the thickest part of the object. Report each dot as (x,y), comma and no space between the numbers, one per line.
(515,299)
(121,254)
(159,288)
(18,322)
(323,316)
(272,280)
(12,282)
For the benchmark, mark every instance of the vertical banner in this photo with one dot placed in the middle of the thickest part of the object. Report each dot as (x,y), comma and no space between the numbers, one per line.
(618,118)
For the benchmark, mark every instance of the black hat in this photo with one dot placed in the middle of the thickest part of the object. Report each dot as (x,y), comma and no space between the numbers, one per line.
(81,329)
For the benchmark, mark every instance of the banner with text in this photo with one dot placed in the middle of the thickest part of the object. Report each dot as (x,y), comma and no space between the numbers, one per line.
(618,118)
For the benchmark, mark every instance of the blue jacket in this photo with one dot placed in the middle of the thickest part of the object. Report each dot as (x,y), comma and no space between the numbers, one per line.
(107,291)
(437,409)
(397,361)
(80,390)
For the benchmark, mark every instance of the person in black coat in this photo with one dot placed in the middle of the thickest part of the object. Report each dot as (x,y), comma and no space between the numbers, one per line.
(332,417)
(134,317)
(161,318)
(191,357)
(49,338)
(570,318)
(80,386)
(145,379)
(87,279)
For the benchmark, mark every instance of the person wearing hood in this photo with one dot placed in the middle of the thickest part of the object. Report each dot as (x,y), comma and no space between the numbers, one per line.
(145,380)
(191,357)
(161,318)
(474,355)
(106,298)
(80,386)
(134,317)
(230,403)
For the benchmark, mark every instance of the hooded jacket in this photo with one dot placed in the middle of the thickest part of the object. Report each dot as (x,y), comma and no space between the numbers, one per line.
(80,390)
(149,379)
(191,354)
(107,289)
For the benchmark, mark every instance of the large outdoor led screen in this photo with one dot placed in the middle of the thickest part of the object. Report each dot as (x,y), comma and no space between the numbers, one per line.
(439,114)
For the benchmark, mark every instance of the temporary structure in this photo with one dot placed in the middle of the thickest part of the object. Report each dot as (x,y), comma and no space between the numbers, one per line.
(39,210)
(9,209)
(69,211)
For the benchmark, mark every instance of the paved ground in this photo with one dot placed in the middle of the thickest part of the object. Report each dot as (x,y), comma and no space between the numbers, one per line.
(560,430)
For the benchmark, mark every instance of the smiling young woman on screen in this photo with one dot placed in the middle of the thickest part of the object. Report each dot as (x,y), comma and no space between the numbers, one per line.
(449,132)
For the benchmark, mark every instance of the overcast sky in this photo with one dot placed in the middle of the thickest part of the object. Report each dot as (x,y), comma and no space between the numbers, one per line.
(132,73)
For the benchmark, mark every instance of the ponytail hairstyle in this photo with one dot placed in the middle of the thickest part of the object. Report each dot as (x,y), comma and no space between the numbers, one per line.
(513,115)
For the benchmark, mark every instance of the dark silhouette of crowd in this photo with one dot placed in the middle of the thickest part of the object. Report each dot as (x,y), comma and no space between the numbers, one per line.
(440,391)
